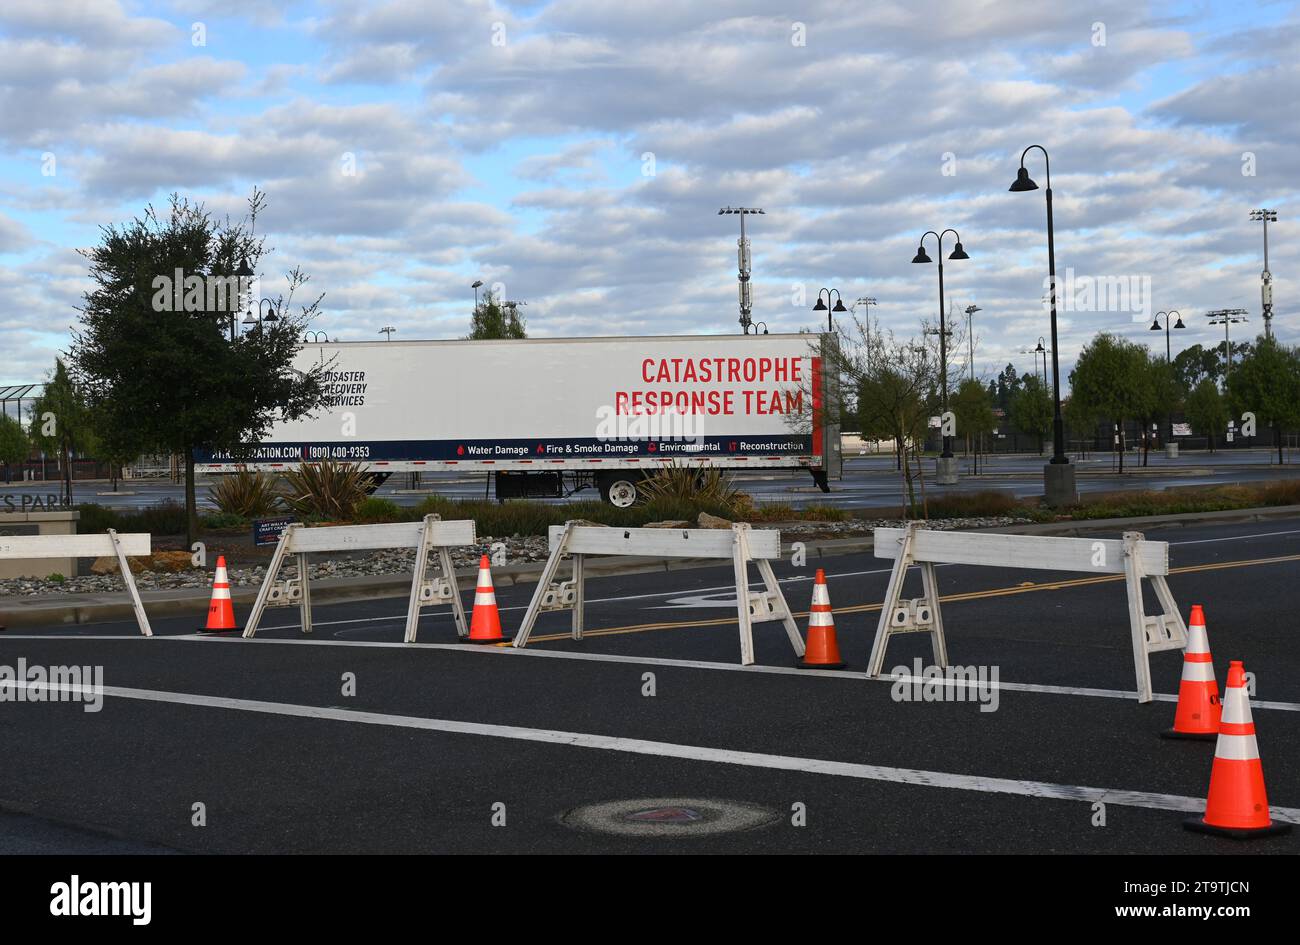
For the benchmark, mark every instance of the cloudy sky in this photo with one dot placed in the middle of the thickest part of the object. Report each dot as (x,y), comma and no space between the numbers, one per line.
(576,152)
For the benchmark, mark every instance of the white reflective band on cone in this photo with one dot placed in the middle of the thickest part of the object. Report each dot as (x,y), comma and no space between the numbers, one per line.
(820,596)
(221,593)
(1236,707)
(1236,748)
(820,618)
(1198,672)
(483,600)
(1197,642)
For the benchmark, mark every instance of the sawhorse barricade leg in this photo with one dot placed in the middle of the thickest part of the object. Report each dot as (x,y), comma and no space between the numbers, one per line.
(304,603)
(141,618)
(770,604)
(922,614)
(268,582)
(544,586)
(419,584)
(1150,634)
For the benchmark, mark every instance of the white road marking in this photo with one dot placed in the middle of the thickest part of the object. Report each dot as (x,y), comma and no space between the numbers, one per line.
(637,746)
(653,661)
(1210,541)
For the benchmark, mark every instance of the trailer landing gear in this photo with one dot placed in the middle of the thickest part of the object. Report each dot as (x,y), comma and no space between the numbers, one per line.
(820,479)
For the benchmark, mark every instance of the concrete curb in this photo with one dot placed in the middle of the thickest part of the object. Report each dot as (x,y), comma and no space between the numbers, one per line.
(95,608)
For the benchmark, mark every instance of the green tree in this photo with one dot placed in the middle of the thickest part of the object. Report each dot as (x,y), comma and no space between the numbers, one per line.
(164,364)
(60,422)
(1031,408)
(1112,382)
(1195,363)
(492,320)
(14,445)
(896,399)
(1207,411)
(973,407)
(1167,396)
(1266,382)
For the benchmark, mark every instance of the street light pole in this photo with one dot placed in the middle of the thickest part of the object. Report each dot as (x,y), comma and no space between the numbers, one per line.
(825,306)
(957,253)
(1155,326)
(743,263)
(1226,317)
(1061,489)
(1024,183)
(970,336)
(1266,277)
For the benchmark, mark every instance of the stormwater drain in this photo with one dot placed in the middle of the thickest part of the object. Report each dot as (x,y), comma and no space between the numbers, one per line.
(668,817)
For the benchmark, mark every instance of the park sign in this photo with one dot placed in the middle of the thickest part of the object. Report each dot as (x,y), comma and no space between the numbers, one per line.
(267,531)
(1182,429)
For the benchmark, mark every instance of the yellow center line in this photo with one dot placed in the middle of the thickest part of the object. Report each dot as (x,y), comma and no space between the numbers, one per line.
(951,598)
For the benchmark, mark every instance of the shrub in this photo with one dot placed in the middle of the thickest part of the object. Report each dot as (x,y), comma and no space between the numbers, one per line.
(95,519)
(986,503)
(679,486)
(380,510)
(223,521)
(824,513)
(56,577)
(246,494)
(326,490)
(166,518)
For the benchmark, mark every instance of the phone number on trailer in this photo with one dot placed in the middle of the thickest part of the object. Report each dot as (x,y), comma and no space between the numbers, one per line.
(338,452)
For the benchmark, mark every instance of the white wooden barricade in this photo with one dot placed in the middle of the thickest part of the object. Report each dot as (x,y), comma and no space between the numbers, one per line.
(741,544)
(87,546)
(424,536)
(1133,556)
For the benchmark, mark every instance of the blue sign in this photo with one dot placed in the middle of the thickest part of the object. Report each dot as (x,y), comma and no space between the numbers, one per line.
(267,531)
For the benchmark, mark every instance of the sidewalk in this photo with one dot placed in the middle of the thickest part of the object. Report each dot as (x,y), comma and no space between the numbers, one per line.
(55,610)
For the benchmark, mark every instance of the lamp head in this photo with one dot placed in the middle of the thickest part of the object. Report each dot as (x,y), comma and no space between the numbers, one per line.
(921,256)
(1022,182)
(958,252)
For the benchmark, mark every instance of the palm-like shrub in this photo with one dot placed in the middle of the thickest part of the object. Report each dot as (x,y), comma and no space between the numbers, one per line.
(326,490)
(246,494)
(683,486)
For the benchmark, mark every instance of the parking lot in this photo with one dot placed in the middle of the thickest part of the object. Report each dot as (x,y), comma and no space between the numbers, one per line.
(351,741)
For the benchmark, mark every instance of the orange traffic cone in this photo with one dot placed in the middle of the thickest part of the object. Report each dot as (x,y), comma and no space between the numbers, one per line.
(1236,805)
(822,650)
(1199,707)
(221,613)
(485,622)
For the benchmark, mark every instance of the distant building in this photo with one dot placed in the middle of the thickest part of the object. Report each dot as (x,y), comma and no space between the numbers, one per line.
(16,398)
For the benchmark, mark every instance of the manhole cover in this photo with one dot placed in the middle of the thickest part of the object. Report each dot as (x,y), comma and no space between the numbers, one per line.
(669,817)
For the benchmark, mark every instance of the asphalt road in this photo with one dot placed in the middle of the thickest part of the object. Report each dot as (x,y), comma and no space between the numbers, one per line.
(440,738)
(870,481)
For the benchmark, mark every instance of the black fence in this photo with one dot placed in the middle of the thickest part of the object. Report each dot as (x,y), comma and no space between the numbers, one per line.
(51,470)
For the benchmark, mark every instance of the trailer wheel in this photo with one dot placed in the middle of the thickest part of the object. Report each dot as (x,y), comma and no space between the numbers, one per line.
(620,489)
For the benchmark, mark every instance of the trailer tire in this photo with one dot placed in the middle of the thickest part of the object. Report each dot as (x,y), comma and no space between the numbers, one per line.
(620,489)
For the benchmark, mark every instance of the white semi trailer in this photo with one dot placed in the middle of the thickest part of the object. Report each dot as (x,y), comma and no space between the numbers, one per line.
(550,416)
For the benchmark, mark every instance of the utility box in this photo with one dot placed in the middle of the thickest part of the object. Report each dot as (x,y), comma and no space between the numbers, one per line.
(38,523)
